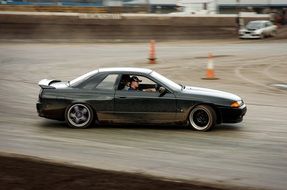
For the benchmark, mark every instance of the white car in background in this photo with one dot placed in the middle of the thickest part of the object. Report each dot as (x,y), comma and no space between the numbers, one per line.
(258,29)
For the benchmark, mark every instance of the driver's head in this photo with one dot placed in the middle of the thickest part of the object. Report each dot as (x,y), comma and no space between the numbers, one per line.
(135,82)
(135,78)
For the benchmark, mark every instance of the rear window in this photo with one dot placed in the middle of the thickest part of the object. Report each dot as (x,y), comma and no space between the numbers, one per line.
(83,78)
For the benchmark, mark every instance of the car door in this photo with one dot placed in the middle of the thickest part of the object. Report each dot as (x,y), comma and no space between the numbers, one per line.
(266,29)
(144,106)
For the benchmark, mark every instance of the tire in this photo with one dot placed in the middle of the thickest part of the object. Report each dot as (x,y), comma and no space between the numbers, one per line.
(202,118)
(79,115)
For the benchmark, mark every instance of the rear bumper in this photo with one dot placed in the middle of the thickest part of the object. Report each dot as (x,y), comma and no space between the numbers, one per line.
(46,111)
(40,109)
(233,115)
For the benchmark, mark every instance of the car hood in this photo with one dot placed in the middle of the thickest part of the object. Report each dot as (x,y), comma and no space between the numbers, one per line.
(252,29)
(210,93)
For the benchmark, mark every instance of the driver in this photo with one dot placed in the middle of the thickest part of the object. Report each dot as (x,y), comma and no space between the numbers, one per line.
(134,83)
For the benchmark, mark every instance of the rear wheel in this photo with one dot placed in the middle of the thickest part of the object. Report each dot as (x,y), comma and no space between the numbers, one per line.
(202,118)
(79,116)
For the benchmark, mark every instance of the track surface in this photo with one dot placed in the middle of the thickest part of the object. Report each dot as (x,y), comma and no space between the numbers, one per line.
(29,173)
(249,154)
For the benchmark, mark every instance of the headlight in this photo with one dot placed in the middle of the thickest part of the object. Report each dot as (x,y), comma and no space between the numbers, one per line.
(236,104)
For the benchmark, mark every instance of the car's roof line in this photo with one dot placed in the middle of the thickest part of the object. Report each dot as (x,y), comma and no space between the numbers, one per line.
(125,69)
(259,21)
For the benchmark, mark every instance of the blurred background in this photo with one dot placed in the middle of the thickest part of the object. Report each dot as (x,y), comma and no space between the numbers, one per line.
(168,6)
(133,19)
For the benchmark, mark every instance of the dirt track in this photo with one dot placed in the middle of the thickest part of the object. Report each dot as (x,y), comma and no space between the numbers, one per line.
(249,154)
(30,173)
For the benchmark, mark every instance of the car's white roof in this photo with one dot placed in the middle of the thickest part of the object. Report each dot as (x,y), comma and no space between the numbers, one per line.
(125,69)
(111,70)
(260,21)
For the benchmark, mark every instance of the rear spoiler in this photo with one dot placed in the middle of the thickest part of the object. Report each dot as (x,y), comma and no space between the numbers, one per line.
(45,83)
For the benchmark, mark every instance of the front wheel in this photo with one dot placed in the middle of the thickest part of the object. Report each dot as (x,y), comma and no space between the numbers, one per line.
(202,118)
(79,116)
(273,33)
(262,36)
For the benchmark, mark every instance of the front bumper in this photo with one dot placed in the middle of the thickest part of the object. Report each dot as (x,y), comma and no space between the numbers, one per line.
(232,115)
(249,36)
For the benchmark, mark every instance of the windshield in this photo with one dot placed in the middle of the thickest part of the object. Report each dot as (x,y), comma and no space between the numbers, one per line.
(82,78)
(254,25)
(166,81)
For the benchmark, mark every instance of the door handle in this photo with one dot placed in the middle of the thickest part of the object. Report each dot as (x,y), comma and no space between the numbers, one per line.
(122,97)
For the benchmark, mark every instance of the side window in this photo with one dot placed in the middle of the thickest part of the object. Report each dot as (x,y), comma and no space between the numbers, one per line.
(108,83)
(144,84)
(92,83)
(146,81)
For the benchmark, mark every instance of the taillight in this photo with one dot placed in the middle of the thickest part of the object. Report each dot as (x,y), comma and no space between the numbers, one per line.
(40,95)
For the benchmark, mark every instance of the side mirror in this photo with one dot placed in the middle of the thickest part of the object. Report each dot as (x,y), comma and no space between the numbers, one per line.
(162,91)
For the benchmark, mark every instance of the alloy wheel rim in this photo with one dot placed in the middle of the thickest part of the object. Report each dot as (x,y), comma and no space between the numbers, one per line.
(200,118)
(79,115)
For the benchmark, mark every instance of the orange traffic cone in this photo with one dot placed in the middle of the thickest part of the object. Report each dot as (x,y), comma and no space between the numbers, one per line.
(152,57)
(210,74)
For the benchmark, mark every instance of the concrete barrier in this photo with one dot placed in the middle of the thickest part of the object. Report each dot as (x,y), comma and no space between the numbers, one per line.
(44,25)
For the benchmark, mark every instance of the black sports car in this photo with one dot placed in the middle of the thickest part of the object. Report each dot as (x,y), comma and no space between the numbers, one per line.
(135,95)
